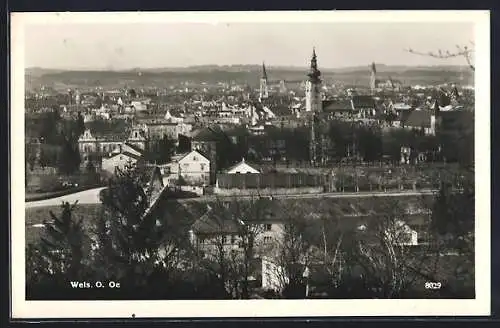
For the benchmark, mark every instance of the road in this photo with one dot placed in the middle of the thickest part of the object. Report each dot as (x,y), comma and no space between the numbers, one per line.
(90,196)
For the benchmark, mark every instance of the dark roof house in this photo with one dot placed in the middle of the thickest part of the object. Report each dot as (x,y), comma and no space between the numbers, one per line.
(205,134)
(344,105)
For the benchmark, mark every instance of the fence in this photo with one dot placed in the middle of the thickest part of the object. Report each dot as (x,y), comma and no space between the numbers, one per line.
(269,180)
(351,180)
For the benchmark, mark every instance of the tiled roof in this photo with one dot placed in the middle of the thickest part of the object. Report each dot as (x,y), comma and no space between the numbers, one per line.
(337,105)
(134,147)
(204,134)
(210,223)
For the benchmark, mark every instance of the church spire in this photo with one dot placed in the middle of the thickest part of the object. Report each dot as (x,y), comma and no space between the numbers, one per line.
(314,73)
(373,78)
(264,93)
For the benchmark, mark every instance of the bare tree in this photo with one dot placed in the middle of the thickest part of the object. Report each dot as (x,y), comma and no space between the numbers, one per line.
(462,51)
(231,242)
(394,261)
(291,253)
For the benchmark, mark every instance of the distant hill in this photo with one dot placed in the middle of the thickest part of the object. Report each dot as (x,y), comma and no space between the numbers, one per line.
(163,77)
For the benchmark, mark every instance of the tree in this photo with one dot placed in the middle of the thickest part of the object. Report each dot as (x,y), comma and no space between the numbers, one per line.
(135,243)
(69,158)
(453,214)
(30,153)
(79,125)
(62,247)
(370,143)
(184,144)
(462,51)
(217,255)
(132,93)
(48,155)
(293,256)
(160,151)
(243,220)
(381,253)
(48,127)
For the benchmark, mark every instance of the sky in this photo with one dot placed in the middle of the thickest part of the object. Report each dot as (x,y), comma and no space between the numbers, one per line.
(160,45)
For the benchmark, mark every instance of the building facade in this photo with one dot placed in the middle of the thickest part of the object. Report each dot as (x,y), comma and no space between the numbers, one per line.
(89,144)
(313,87)
(194,169)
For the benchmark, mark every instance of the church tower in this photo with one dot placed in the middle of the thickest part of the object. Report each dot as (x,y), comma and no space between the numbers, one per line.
(264,93)
(313,87)
(373,78)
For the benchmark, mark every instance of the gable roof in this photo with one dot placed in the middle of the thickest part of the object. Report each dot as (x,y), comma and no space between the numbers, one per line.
(156,176)
(134,147)
(242,163)
(191,152)
(204,134)
(209,223)
(126,153)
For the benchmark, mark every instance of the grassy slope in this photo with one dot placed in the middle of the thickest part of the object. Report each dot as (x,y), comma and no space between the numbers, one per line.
(88,212)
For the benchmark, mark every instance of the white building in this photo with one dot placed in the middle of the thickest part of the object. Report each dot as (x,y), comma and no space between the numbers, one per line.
(119,161)
(242,168)
(194,168)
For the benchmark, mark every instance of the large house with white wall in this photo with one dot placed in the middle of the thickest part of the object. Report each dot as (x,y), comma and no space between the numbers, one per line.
(90,144)
(194,169)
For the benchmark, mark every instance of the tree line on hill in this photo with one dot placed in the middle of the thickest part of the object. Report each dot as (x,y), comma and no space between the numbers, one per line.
(58,142)
(149,254)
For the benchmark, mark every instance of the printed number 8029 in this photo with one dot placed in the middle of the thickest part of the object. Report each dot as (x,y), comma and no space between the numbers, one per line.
(432,285)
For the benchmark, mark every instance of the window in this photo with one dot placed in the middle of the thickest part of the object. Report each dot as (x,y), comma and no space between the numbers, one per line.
(233,239)
(269,227)
(267,239)
(195,158)
(202,166)
(224,239)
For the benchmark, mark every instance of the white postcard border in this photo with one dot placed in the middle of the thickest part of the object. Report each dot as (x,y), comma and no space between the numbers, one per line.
(254,308)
